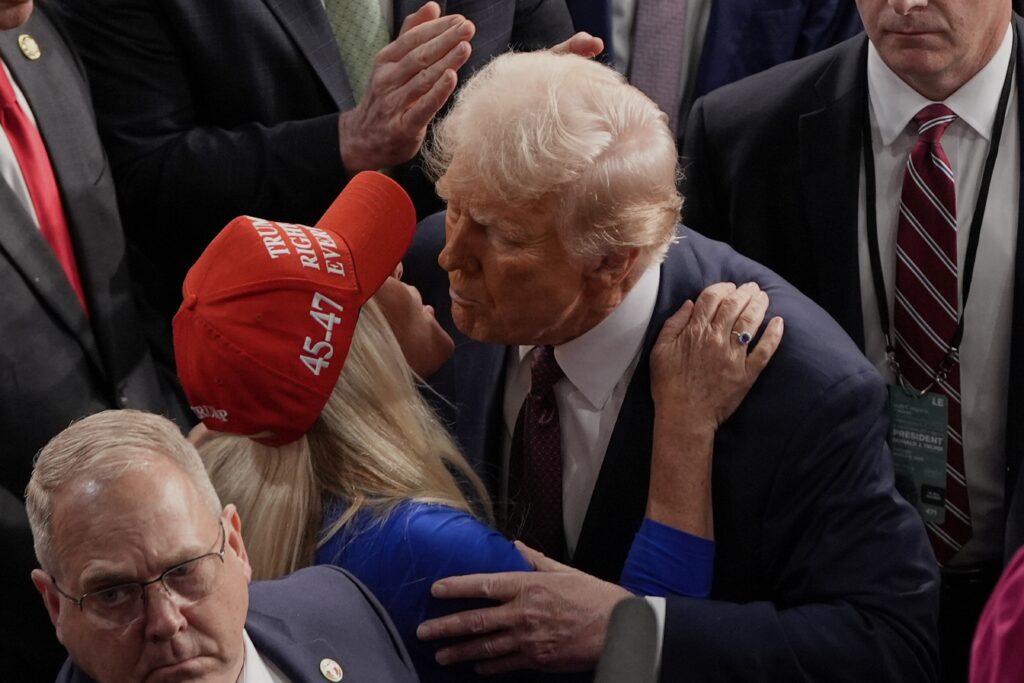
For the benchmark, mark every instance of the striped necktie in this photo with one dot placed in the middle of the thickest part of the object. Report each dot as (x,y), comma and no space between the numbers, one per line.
(927,303)
(361,32)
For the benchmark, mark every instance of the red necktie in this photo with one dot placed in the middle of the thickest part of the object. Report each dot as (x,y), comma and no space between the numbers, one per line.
(927,303)
(42,186)
(535,466)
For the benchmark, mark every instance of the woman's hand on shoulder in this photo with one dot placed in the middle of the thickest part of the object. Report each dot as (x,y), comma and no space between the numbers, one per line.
(705,360)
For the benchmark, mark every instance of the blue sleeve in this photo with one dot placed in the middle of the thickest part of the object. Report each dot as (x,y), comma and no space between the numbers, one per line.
(400,556)
(665,561)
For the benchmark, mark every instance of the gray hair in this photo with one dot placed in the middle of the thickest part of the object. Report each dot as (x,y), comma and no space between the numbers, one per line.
(103,447)
(561,131)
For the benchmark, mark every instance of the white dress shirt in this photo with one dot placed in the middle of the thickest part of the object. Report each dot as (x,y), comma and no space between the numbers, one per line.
(985,350)
(9,168)
(598,366)
(256,669)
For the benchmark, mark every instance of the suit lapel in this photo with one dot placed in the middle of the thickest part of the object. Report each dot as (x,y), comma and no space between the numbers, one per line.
(53,97)
(619,500)
(306,22)
(830,152)
(479,371)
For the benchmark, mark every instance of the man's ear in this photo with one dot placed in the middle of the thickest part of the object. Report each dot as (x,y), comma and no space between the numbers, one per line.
(615,268)
(233,527)
(51,598)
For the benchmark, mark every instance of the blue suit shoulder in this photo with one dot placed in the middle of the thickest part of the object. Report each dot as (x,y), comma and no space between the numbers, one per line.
(324,611)
(814,344)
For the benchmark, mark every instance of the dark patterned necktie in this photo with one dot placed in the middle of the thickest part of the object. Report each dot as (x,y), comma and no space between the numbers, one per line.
(535,465)
(659,29)
(926,310)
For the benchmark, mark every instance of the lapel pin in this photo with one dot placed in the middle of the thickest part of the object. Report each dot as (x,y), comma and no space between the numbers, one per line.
(331,670)
(29,47)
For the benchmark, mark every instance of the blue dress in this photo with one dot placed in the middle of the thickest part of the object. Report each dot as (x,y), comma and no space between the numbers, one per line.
(400,555)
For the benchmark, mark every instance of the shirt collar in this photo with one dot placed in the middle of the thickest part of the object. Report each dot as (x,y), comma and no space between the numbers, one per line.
(895,103)
(596,360)
(254,669)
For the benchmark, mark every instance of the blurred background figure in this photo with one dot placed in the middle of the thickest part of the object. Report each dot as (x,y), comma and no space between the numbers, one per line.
(71,344)
(677,50)
(999,639)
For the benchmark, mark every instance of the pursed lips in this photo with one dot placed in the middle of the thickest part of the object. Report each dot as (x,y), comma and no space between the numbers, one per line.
(457,298)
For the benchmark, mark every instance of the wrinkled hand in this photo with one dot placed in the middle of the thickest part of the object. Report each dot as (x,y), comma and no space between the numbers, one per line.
(553,619)
(700,372)
(412,78)
(582,44)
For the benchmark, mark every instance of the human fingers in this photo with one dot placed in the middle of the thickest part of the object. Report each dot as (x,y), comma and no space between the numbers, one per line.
(765,349)
(466,623)
(729,310)
(425,45)
(750,318)
(500,644)
(672,328)
(428,12)
(423,109)
(582,44)
(538,560)
(500,586)
(706,306)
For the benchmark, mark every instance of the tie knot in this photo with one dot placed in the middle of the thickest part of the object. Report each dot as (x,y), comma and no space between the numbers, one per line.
(544,372)
(932,122)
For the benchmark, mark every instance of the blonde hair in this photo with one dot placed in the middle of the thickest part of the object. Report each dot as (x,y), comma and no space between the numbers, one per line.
(554,130)
(376,443)
(103,447)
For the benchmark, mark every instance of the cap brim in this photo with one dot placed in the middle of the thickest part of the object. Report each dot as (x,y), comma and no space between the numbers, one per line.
(376,219)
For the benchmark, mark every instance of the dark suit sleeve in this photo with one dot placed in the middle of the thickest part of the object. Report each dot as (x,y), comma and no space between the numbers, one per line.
(540,24)
(177,175)
(854,581)
(699,201)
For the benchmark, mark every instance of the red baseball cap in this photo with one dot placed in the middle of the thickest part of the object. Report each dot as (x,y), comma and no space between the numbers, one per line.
(270,308)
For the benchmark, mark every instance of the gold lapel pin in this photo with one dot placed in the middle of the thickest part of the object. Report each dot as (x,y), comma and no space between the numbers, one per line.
(331,670)
(29,47)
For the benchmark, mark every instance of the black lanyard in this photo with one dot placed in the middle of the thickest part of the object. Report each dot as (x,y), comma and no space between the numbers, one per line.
(952,351)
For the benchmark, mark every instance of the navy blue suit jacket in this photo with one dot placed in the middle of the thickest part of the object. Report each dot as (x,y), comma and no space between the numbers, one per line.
(746,36)
(210,109)
(772,166)
(316,613)
(822,571)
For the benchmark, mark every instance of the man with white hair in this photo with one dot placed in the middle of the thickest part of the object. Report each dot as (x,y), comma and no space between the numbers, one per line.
(564,259)
(145,576)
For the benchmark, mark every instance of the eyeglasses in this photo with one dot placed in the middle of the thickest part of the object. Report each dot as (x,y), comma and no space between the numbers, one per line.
(185,584)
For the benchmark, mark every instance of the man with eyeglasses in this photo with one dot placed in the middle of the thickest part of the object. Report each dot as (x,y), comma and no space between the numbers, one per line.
(145,576)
